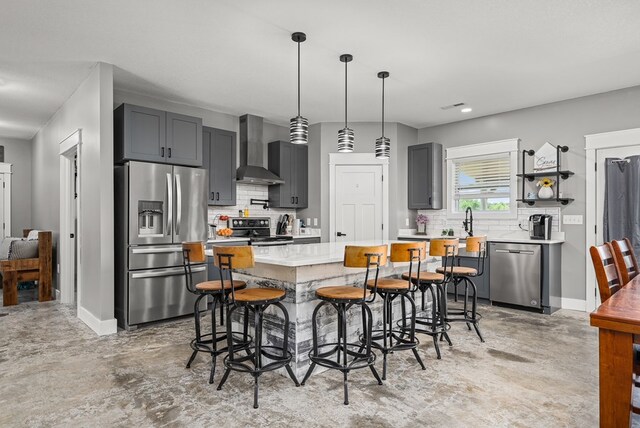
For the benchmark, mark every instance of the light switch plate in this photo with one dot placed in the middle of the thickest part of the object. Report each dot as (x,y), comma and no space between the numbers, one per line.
(406,222)
(308,223)
(315,221)
(572,219)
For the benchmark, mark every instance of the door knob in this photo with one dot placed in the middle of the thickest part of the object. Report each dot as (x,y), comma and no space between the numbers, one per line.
(341,234)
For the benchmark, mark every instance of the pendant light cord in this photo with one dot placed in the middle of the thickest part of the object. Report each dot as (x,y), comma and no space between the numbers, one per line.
(345,94)
(383,108)
(298,78)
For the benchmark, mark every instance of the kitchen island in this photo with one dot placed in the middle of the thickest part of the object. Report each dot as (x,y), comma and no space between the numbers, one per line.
(300,270)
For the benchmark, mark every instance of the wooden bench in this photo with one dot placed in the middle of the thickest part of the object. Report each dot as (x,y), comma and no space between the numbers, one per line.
(36,269)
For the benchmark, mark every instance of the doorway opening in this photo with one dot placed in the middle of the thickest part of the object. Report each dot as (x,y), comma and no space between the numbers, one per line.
(601,149)
(70,230)
(358,197)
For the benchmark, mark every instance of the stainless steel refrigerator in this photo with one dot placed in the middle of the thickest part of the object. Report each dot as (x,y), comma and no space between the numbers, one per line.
(157,207)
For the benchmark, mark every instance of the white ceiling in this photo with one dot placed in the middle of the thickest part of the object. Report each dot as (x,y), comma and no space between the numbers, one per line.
(237,56)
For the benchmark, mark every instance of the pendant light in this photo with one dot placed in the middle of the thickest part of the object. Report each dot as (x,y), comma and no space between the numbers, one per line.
(298,126)
(383,144)
(346,136)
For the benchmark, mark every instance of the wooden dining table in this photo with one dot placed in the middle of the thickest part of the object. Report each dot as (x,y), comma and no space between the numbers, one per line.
(618,320)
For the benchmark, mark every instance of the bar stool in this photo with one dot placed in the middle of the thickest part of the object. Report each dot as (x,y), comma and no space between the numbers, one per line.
(435,284)
(389,289)
(343,298)
(193,252)
(256,300)
(462,274)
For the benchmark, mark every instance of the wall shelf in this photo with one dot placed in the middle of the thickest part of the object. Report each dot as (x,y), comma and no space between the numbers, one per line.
(530,176)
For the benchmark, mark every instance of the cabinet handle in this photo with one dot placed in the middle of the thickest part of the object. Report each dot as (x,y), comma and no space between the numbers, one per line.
(162,152)
(217,196)
(213,196)
(169,151)
(293,200)
(429,200)
(296,200)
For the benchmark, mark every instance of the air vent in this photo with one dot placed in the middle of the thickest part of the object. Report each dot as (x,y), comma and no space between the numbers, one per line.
(452,106)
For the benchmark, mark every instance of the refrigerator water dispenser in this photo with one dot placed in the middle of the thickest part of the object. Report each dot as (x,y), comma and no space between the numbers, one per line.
(150,218)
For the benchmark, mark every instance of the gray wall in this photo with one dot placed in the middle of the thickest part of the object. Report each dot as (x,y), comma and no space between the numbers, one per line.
(90,108)
(17,152)
(323,139)
(564,123)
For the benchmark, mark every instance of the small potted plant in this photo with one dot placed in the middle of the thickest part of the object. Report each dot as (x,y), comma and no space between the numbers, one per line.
(546,188)
(421,222)
(444,232)
(450,232)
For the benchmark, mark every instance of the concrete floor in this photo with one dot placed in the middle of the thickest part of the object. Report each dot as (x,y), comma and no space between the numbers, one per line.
(533,371)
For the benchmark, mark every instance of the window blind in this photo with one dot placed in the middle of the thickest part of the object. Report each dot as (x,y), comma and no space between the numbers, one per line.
(482,177)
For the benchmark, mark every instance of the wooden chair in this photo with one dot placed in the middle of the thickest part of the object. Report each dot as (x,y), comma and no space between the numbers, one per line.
(607,273)
(350,356)
(626,259)
(256,300)
(35,269)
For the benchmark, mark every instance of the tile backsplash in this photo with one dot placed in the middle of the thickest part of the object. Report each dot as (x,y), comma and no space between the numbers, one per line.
(244,193)
(438,220)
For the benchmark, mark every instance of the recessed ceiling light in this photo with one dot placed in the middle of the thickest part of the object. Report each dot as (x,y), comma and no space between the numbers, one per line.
(466,110)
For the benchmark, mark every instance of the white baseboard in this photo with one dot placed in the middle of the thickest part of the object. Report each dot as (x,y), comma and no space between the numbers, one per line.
(101,328)
(574,304)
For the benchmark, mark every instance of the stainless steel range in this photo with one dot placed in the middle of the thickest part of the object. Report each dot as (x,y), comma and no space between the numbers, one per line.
(258,230)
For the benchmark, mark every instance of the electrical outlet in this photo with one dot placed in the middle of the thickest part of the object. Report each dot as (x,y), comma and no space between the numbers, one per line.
(406,222)
(315,221)
(308,223)
(571,219)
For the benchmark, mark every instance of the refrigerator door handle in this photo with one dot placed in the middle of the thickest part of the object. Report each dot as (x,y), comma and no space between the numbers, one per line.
(166,272)
(178,204)
(169,209)
(156,250)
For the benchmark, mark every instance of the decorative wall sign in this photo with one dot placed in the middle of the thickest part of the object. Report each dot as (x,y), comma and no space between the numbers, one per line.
(545,158)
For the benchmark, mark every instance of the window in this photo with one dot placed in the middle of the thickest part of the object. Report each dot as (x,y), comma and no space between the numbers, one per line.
(483,177)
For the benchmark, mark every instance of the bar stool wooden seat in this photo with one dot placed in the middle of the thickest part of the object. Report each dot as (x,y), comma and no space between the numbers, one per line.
(193,252)
(389,339)
(349,356)
(462,275)
(256,300)
(433,283)
(626,259)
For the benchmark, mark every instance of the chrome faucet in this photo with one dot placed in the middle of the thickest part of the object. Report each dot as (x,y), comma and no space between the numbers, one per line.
(468,221)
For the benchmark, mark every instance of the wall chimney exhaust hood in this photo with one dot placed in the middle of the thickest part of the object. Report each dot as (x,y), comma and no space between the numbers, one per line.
(252,170)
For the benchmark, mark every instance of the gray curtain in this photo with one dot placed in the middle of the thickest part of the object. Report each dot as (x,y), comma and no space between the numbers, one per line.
(622,200)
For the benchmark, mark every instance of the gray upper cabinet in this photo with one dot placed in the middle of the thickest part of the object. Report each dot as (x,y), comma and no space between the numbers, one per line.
(184,140)
(425,176)
(290,163)
(145,134)
(219,154)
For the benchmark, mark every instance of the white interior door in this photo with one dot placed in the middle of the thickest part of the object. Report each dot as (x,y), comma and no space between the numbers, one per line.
(358,202)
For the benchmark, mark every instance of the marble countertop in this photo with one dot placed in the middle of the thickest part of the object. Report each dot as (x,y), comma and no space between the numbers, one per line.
(306,255)
(515,238)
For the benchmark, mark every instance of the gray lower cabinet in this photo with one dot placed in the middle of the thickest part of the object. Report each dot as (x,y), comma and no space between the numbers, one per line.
(219,155)
(310,240)
(150,135)
(425,176)
(290,163)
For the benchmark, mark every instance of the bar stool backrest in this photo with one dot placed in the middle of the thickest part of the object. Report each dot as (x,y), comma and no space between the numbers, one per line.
(447,249)
(478,244)
(192,252)
(366,257)
(626,259)
(607,272)
(240,257)
(408,252)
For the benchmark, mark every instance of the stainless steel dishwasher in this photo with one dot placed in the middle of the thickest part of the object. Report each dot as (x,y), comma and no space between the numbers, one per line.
(515,274)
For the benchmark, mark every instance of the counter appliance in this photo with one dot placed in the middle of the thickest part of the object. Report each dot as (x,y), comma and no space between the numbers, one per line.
(540,226)
(157,207)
